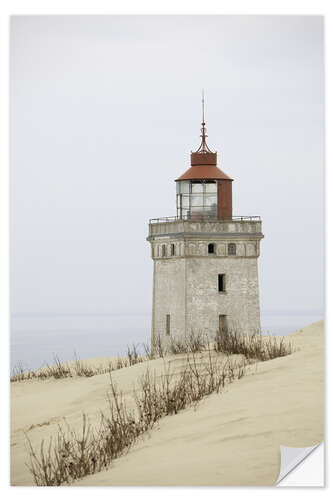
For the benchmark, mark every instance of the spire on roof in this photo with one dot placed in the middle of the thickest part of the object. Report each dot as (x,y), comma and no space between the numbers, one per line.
(203,148)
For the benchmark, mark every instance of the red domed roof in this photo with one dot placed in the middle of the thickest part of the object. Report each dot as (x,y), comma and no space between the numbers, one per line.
(203,166)
(197,172)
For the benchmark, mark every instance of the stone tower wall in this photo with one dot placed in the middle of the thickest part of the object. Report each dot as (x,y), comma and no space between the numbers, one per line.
(169,298)
(186,277)
(239,302)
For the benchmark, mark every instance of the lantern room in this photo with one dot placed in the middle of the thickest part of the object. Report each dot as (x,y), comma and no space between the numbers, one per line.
(204,191)
(197,198)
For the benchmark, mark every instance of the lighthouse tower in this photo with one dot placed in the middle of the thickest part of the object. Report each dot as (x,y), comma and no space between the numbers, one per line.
(205,259)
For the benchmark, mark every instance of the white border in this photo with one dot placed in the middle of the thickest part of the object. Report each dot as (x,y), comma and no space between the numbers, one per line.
(102,7)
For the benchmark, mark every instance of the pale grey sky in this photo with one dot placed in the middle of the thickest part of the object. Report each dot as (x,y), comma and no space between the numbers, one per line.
(104,113)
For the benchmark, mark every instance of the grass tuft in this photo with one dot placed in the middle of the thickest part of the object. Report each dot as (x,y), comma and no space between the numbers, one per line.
(253,347)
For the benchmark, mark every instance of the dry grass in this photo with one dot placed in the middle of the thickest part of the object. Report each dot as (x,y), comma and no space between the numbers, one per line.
(195,342)
(69,456)
(229,342)
(253,347)
(60,369)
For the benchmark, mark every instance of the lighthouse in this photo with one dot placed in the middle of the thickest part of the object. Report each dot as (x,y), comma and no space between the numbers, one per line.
(205,258)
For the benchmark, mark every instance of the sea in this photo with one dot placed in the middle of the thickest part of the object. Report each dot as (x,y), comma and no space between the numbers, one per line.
(36,339)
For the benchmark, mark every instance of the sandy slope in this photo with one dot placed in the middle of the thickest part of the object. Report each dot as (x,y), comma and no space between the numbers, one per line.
(231,438)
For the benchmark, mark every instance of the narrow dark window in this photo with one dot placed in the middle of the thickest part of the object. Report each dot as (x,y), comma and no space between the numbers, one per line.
(222,323)
(167,324)
(163,250)
(221,282)
(211,248)
(172,249)
(232,249)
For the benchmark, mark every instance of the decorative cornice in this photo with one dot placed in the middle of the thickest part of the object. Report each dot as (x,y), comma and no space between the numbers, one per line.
(207,236)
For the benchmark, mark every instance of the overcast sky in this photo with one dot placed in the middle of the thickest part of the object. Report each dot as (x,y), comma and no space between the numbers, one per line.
(104,114)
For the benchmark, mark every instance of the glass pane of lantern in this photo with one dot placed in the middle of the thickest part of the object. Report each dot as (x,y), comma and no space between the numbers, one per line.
(196,200)
(211,187)
(213,211)
(185,201)
(197,213)
(178,200)
(210,199)
(210,212)
(185,214)
(184,186)
(197,187)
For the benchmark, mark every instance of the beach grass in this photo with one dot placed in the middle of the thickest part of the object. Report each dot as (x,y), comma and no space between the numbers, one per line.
(78,368)
(69,456)
(135,354)
(254,347)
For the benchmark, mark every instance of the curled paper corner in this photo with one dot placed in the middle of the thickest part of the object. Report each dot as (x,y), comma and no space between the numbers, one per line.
(291,458)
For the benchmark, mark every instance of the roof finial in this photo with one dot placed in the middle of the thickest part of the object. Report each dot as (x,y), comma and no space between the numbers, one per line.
(203,146)
(203,107)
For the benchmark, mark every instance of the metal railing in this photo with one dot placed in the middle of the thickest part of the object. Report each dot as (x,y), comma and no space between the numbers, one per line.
(234,218)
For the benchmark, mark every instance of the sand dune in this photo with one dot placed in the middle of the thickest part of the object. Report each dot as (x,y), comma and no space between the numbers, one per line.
(231,438)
